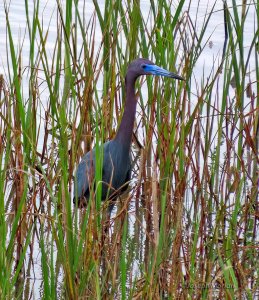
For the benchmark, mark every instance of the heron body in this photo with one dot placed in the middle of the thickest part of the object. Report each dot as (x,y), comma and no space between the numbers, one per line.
(116,168)
(114,177)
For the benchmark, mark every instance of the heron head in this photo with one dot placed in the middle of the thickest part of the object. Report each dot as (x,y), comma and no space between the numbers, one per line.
(142,66)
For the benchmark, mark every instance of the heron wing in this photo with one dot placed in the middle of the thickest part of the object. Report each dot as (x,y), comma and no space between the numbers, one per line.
(116,170)
(84,174)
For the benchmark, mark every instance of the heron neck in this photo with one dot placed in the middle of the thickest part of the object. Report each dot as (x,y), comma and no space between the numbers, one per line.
(125,130)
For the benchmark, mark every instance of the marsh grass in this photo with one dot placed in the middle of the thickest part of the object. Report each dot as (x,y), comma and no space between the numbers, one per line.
(188,226)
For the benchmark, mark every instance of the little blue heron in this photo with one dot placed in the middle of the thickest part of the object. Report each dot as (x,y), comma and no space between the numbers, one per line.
(116,169)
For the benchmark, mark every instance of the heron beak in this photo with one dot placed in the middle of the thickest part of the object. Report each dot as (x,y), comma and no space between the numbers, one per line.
(156,70)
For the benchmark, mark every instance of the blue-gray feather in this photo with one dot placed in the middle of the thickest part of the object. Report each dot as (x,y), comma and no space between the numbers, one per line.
(116,170)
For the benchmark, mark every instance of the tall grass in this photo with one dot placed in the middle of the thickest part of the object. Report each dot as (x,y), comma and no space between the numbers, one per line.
(188,226)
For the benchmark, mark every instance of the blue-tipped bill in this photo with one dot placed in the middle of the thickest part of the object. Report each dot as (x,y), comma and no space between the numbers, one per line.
(156,70)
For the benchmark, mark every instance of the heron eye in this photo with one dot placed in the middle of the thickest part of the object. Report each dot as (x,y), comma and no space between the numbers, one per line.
(144,67)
